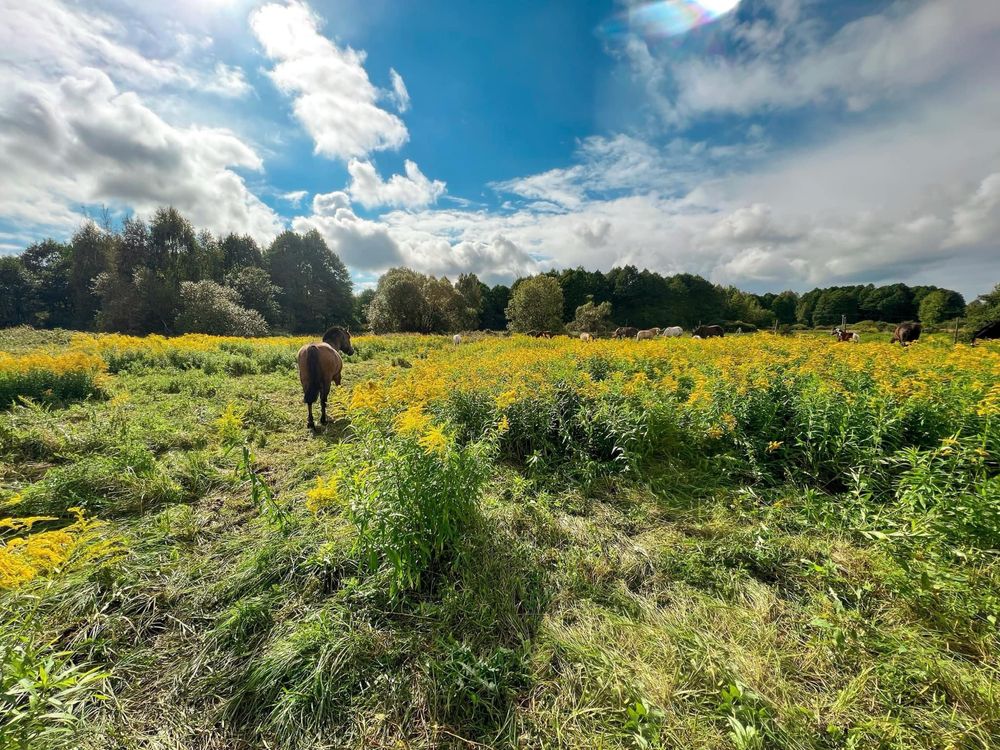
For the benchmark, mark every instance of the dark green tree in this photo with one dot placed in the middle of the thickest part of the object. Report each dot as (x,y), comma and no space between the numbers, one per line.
(579,286)
(16,293)
(474,293)
(48,265)
(238,251)
(892,303)
(316,289)
(255,291)
(494,317)
(783,306)
(92,250)
(983,310)
(833,304)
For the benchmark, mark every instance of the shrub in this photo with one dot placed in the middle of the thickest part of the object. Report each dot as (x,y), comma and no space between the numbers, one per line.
(739,325)
(207,307)
(411,497)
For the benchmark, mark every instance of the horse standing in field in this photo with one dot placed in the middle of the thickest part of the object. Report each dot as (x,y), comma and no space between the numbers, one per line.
(671,332)
(457,339)
(707,332)
(321,364)
(648,333)
(586,337)
(906,333)
(843,334)
(625,332)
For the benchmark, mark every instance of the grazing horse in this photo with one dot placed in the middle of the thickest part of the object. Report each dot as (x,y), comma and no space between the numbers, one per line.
(843,334)
(906,333)
(671,332)
(648,333)
(545,334)
(457,339)
(625,332)
(586,337)
(319,365)
(707,332)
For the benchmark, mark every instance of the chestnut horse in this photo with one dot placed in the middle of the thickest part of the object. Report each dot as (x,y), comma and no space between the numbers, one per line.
(319,365)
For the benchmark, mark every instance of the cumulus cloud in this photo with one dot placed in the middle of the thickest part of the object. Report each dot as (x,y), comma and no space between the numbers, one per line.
(80,141)
(435,242)
(360,243)
(413,190)
(332,95)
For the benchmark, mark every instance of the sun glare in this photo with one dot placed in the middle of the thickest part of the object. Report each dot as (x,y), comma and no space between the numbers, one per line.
(666,18)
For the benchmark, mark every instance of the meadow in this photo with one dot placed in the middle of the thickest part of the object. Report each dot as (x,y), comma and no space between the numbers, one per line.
(751,542)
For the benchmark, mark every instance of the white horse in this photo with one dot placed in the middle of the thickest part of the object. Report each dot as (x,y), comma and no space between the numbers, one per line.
(586,337)
(649,333)
(672,332)
(457,339)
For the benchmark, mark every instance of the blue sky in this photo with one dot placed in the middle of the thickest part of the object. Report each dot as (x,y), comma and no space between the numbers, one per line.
(778,144)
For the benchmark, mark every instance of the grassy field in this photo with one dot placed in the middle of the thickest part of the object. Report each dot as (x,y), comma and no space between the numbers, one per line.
(752,542)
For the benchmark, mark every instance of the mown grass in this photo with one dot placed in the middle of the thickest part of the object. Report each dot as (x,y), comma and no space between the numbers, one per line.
(510,543)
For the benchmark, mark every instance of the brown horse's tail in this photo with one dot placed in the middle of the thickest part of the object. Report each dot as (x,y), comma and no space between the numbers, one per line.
(315,376)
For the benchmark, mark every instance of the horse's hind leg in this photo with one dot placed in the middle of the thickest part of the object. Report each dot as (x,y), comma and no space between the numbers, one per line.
(322,403)
(311,424)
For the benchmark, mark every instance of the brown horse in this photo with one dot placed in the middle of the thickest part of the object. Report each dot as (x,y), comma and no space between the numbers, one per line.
(625,332)
(906,333)
(319,365)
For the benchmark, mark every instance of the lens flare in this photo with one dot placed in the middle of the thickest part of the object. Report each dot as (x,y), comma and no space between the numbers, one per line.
(666,18)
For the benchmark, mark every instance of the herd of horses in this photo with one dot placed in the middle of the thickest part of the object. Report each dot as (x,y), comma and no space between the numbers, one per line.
(320,364)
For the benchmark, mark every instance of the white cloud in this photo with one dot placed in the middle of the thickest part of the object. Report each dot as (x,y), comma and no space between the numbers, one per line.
(332,95)
(419,241)
(295,197)
(80,141)
(400,96)
(360,243)
(977,220)
(412,191)
(914,198)
(787,64)
(47,39)
(227,80)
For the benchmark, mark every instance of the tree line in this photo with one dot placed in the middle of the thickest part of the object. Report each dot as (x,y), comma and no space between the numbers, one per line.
(164,276)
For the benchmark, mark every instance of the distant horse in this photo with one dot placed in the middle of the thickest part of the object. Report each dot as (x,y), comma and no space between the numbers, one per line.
(586,337)
(545,334)
(707,332)
(648,333)
(457,339)
(671,332)
(906,333)
(319,365)
(625,332)
(843,334)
